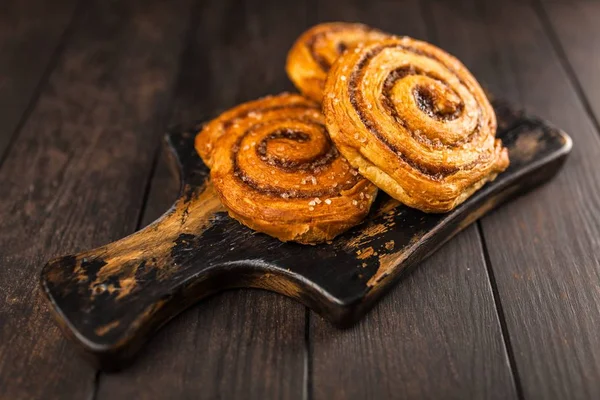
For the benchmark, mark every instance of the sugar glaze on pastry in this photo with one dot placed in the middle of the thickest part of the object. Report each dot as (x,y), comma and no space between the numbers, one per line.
(276,170)
(311,57)
(414,121)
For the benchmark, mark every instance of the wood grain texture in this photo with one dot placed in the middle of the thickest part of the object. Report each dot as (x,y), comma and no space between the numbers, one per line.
(546,275)
(543,247)
(243,343)
(437,334)
(567,1)
(76,174)
(30,34)
(111,299)
(575,32)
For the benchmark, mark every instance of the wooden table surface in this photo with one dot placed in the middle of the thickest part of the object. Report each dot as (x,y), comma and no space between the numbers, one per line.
(510,308)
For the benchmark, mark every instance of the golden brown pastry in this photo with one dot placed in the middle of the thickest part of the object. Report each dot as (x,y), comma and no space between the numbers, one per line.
(276,171)
(316,49)
(414,121)
(230,119)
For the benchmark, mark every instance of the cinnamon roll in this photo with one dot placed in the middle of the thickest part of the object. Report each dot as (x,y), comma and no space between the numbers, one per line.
(276,171)
(316,49)
(414,121)
(243,116)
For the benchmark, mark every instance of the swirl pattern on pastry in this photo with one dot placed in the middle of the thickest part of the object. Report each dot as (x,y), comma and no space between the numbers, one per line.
(276,171)
(314,52)
(243,116)
(414,121)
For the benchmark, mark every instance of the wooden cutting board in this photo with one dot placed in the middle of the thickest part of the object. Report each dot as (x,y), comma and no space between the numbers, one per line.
(110,300)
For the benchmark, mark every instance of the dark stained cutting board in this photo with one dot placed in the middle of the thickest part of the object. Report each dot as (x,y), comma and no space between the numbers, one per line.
(109,300)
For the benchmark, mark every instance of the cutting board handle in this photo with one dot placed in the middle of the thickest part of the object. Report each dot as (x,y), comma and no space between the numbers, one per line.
(111,299)
(105,296)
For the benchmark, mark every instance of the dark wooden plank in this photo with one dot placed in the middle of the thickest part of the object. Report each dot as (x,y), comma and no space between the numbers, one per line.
(246,343)
(576,34)
(156,273)
(75,176)
(543,248)
(30,33)
(567,1)
(437,334)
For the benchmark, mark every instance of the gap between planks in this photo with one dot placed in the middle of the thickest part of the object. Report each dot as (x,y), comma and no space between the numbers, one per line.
(431,30)
(308,359)
(549,30)
(500,312)
(52,62)
(433,36)
(188,39)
